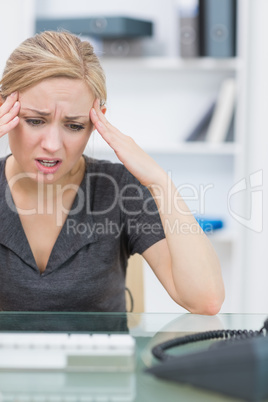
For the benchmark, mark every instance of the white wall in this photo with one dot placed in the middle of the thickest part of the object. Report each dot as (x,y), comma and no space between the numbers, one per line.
(16,24)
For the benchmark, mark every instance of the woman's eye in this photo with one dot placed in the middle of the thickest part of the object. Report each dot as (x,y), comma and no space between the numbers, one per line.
(38,122)
(76,127)
(34,122)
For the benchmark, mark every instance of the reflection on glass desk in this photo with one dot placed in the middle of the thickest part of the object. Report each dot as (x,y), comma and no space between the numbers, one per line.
(147,329)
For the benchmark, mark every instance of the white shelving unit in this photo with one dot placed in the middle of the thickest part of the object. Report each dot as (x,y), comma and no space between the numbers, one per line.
(175,63)
(157,101)
(179,148)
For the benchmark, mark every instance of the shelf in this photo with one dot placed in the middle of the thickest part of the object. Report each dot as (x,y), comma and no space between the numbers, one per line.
(177,64)
(195,148)
(186,148)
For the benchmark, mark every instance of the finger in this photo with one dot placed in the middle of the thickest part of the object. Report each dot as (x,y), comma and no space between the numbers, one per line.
(93,115)
(10,114)
(4,129)
(99,125)
(99,112)
(99,120)
(109,134)
(8,104)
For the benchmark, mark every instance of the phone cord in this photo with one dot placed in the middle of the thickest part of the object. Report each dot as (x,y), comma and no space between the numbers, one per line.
(159,351)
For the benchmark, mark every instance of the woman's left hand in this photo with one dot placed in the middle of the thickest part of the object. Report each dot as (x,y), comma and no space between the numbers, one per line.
(137,161)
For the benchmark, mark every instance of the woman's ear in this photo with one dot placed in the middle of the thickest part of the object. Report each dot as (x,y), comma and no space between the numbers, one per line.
(103,109)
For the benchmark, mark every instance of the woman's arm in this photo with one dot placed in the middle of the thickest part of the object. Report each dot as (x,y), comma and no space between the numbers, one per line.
(184,262)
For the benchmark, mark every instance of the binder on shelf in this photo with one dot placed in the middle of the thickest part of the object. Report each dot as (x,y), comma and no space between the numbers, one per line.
(219,126)
(103,27)
(189,28)
(217,28)
(209,224)
(198,133)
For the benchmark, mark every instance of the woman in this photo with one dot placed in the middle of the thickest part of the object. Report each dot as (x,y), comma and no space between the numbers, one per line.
(68,222)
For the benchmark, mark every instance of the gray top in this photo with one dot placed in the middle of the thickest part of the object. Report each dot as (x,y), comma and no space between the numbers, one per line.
(112,217)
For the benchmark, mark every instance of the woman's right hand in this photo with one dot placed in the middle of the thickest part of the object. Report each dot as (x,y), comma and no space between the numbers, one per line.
(9,113)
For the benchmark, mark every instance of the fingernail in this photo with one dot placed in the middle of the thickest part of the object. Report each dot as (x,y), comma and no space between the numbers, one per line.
(94,111)
(16,104)
(14,93)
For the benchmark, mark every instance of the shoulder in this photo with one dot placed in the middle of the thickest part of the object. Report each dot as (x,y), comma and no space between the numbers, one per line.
(102,170)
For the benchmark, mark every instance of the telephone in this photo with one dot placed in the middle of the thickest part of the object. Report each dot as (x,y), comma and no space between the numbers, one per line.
(235,365)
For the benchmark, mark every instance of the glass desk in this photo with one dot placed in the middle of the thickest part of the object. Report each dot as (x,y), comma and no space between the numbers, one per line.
(148,329)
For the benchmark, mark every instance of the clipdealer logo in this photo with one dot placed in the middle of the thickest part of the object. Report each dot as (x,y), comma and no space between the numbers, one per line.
(255,220)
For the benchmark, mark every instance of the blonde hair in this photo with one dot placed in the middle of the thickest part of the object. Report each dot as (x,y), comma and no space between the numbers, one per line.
(53,54)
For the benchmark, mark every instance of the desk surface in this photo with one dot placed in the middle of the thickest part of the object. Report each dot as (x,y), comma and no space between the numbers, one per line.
(149,329)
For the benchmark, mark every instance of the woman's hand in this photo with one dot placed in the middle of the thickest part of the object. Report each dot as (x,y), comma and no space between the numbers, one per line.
(141,165)
(9,113)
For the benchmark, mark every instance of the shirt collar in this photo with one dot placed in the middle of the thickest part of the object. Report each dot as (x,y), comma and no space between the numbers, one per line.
(72,237)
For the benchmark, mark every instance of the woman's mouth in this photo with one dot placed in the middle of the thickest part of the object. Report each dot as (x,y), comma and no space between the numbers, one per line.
(44,162)
(47,166)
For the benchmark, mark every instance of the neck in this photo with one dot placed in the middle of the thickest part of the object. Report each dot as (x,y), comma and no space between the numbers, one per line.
(41,189)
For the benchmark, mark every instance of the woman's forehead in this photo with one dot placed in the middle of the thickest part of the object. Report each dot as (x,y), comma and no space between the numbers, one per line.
(63,92)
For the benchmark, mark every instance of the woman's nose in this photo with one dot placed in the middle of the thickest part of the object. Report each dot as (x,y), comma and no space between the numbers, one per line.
(52,140)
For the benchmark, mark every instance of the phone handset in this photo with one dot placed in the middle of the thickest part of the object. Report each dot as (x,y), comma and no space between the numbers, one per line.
(236,365)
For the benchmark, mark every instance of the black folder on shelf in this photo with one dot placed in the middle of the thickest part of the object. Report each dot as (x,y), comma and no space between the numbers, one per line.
(102,26)
(217,28)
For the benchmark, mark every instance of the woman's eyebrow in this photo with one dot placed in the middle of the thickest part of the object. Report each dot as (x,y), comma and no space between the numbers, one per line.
(48,114)
(36,111)
(76,117)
